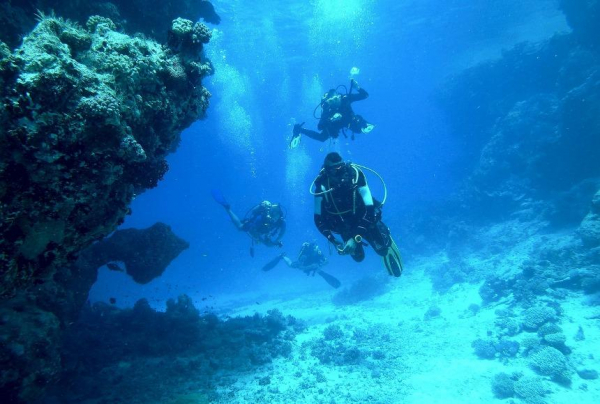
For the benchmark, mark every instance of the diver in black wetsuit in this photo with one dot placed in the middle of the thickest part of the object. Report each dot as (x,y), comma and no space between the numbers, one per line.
(344,205)
(264,223)
(310,259)
(337,115)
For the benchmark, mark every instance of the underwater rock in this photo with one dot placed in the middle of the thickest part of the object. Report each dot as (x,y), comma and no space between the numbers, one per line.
(529,140)
(152,20)
(88,117)
(588,374)
(29,350)
(589,229)
(70,168)
(184,344)
(582,17)
(146,253)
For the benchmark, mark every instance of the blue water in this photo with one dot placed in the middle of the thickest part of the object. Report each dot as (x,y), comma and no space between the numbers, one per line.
(273,61)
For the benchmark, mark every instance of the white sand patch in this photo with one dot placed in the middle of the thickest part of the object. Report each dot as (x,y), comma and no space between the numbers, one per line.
(425,360)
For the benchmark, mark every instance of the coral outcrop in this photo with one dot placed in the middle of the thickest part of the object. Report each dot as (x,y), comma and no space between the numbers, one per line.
(149,18)
(146,253)
(113,350)
(88,116)
(589,229)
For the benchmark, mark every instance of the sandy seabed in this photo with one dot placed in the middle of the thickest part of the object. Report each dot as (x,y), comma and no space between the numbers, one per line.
(420,359)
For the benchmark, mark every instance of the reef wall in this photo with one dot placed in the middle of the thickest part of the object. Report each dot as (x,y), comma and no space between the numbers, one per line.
(529,124)
(88,115)
(151,18)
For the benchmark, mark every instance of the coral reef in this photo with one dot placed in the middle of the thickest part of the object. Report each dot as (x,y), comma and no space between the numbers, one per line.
(589,229)
(59,157)
(88,117)
(535,317)
(531,389)
(583,18)
(340,348)
(17,18)
(112,349)
(490,349)
(537,126)
(551,362)
(503,385)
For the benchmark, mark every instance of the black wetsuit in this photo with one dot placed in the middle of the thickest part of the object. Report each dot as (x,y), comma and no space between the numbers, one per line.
(262,228)
(310,258)
(349,120)
(344,212)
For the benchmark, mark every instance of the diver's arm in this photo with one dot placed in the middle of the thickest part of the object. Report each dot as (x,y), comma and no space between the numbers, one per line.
(235,219)
(369,218)
(361,95)
(321,223)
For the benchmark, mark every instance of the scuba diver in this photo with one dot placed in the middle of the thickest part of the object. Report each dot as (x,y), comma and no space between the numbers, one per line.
(264,223)
(344,205)
(336,116)
(310,260)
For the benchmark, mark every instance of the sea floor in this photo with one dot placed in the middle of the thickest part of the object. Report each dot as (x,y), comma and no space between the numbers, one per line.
(400,351)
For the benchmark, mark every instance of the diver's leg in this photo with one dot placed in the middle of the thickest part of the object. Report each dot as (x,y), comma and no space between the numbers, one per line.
(378,236)
(288,261)
(360,125)
(234,219)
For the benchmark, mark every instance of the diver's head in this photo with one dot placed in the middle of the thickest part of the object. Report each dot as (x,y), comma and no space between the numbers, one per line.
(333,163)
(273,211)
(332,99)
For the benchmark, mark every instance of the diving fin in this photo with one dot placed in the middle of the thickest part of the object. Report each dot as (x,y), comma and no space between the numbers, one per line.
(330,279)
(219,198)
(273,263)
(392,260)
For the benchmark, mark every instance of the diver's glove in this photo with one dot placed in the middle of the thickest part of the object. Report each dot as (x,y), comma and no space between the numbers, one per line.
(339,246)
(349,247)
(296,132)
(354,84)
